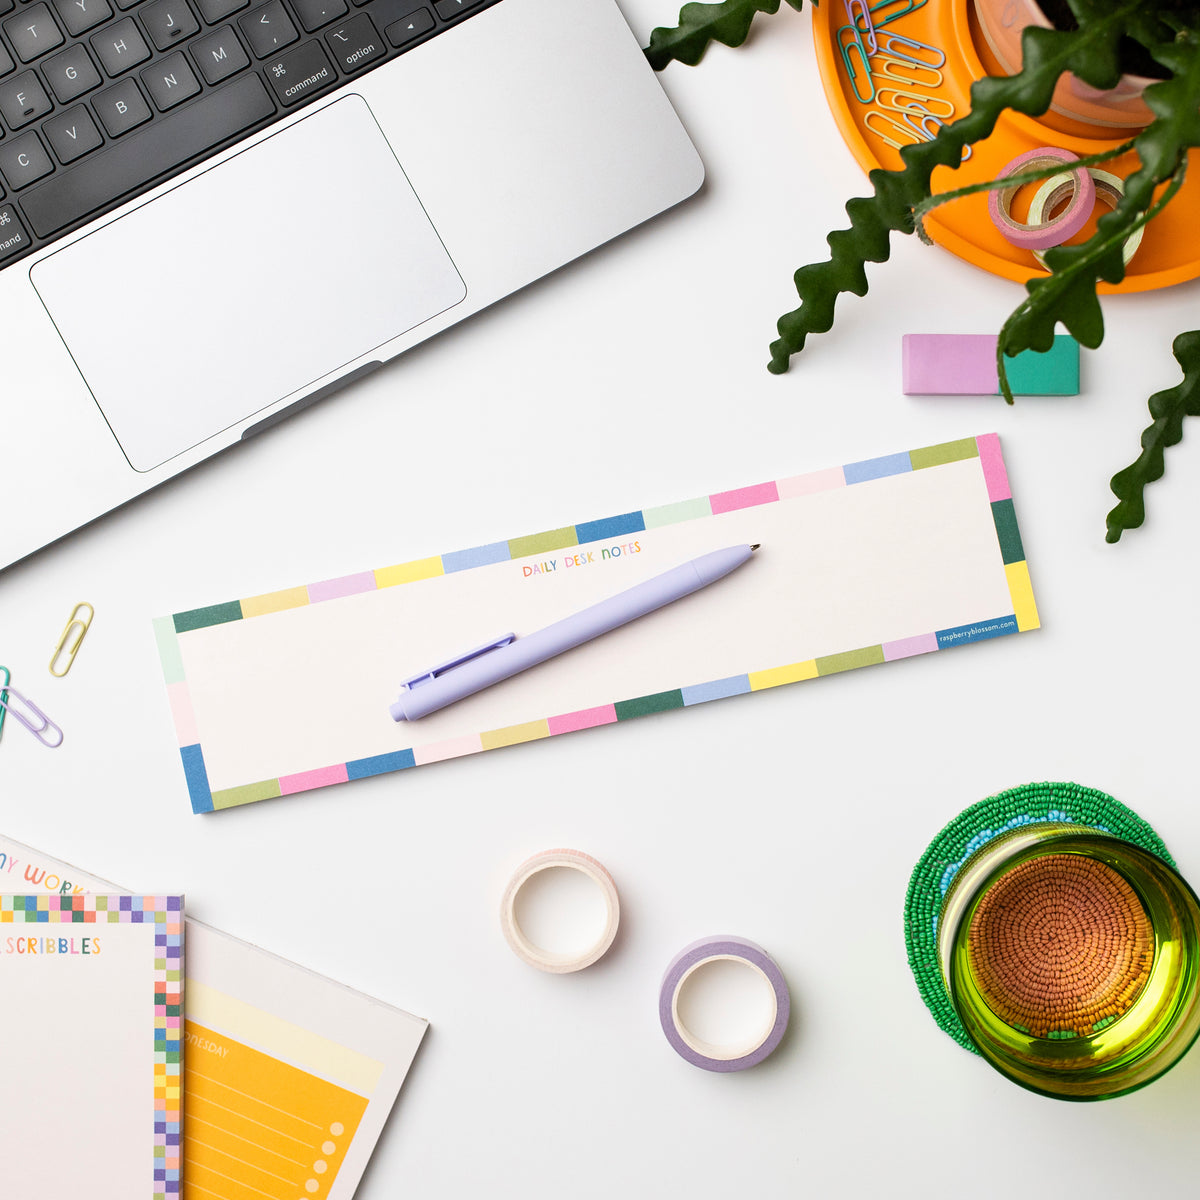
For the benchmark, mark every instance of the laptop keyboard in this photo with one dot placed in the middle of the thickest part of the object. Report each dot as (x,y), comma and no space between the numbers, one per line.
(101,100)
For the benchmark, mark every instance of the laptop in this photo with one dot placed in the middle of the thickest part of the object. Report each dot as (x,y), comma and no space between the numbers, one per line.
(216,212)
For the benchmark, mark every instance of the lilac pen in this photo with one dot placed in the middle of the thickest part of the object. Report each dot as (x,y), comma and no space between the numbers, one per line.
(477,669)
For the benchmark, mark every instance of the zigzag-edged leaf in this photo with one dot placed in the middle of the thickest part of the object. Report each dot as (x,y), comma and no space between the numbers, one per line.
(1168,408)
(1068,294)
(1047,54)
(700,24)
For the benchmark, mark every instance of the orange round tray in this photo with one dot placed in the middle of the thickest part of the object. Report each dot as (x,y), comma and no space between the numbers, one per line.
(1170,249)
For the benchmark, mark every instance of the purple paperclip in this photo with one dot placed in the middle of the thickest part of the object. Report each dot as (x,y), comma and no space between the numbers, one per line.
(861,7)
(39,731)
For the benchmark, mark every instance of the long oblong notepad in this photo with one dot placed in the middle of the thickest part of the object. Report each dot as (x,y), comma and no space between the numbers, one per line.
(860,564)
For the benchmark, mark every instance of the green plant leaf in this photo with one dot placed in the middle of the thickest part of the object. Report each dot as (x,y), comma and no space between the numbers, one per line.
(1092,51)
(1068,294)
(700,24)
(1167,408)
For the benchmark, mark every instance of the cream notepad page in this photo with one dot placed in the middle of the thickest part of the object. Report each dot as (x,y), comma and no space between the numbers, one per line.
(91,1014)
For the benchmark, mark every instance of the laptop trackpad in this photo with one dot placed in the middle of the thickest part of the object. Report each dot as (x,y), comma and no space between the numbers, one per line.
(242,286)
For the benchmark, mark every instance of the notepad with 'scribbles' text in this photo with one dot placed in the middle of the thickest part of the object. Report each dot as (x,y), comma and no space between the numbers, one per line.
(91,1013)
(886,558)
(287,1076)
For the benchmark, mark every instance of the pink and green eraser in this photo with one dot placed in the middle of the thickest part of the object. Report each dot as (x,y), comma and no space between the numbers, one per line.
(964,364)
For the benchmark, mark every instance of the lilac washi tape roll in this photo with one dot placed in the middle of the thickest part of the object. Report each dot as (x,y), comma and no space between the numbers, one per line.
(704,1054)
(1042,235)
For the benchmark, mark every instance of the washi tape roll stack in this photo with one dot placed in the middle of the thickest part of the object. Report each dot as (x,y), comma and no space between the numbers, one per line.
(1061,206)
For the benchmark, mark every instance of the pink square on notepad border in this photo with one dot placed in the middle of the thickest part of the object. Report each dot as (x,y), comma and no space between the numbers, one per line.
(747,497)
(307,780)
(814,481)
(585,718)
(995,474)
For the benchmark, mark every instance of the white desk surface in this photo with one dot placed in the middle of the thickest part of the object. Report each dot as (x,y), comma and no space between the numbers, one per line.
(632,378)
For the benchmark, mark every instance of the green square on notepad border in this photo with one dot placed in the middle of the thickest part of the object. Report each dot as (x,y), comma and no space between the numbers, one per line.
(1053,373)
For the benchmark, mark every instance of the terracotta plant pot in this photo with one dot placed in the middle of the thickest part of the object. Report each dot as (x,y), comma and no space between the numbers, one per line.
(1002,23)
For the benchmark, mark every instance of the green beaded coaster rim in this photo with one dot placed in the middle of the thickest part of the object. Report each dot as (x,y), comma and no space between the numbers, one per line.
(1029,804)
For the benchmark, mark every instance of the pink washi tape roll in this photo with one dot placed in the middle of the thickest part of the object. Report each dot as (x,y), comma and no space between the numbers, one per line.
(693,1048)
(537,956)
(1042,235)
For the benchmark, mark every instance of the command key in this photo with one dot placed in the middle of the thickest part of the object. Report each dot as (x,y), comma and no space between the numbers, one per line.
(300,72)
(13,238)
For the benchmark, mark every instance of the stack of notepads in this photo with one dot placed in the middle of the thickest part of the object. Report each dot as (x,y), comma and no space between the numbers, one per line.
(286,1077)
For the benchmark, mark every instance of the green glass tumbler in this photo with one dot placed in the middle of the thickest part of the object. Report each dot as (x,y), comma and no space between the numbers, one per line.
(1073,960)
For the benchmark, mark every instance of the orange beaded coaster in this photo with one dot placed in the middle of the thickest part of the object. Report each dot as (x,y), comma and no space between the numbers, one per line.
(1021,807)
(1060,946)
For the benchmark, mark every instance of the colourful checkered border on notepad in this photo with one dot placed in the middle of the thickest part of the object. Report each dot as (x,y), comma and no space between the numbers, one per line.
(165,913)
(985,448)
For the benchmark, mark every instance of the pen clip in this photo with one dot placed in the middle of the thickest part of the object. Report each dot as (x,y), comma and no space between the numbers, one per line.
(415,681)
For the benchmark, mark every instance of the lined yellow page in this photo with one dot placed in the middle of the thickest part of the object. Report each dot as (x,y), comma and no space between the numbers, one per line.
(256,1127)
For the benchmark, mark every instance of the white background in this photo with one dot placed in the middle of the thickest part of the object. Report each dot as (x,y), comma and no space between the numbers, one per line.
(793,817)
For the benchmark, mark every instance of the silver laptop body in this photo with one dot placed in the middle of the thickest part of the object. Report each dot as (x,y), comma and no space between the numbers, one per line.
(370,217)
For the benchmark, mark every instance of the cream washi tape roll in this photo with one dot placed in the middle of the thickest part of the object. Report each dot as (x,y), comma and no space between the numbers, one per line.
(1109,188)
(704,1054)
(536,956)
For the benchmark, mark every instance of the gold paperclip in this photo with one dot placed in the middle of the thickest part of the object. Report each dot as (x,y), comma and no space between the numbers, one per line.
(72,638)
(914,102)
(896,126)
(888,66)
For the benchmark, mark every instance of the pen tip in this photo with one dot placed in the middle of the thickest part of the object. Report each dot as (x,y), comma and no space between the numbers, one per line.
(756,545)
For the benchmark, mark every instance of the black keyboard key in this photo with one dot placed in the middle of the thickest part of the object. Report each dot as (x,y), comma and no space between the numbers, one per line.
(81,15)
(121,108)
(315,13)
(215,11)
(70,74)
(13,238)
(120,47)
(300,72)
(142,157)
(401,32)
(33,32)
(23,99)
(219,55)
(23,161)
(72,134)
(168,22)
(170,81)
(355,43)
(449,9)
(268,29)
(6,62)
(6,6)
